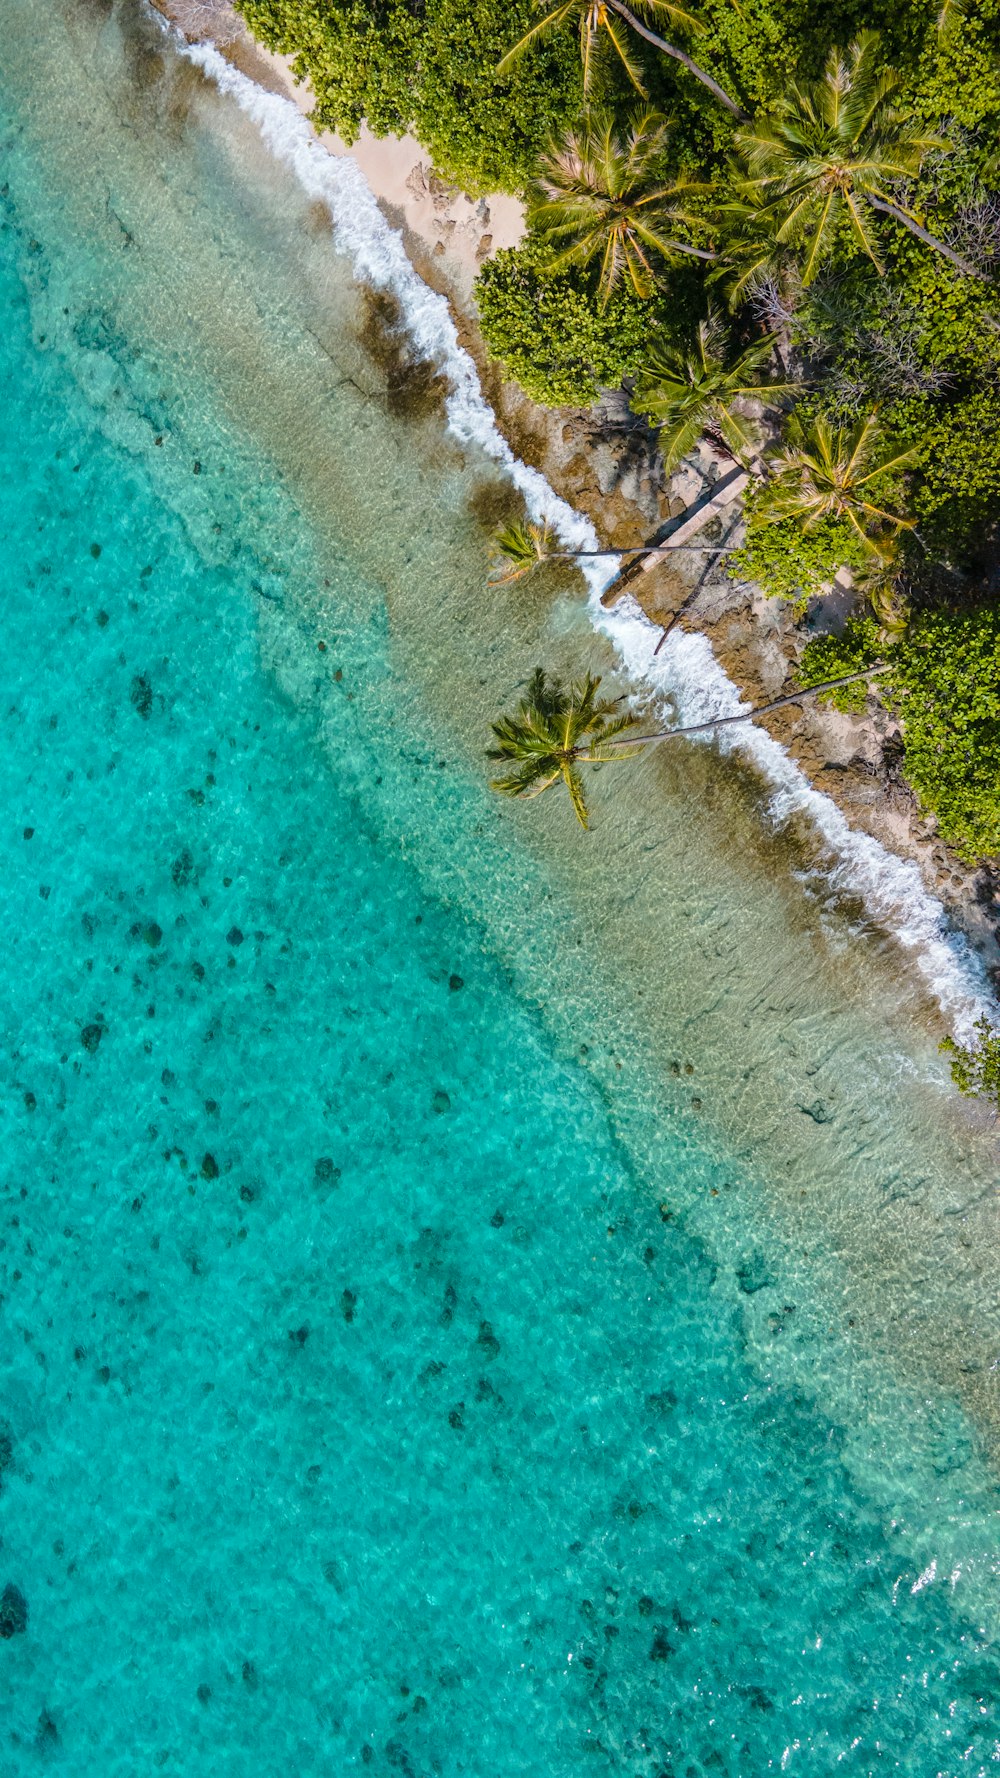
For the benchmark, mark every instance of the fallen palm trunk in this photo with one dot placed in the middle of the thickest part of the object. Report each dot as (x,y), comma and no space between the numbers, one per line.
(725,491)
(794,697)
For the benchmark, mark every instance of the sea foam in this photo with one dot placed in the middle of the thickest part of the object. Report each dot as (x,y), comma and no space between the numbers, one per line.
(685,676)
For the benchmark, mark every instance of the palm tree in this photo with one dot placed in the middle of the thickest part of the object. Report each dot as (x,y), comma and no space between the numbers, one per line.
(825,472)
(610,17)
(830,153)
(522,546)
(597,195)
(518,549)
(553,730)
(693,393)
(548,733)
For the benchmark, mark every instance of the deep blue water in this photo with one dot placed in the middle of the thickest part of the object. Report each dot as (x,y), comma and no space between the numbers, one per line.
(360,1405)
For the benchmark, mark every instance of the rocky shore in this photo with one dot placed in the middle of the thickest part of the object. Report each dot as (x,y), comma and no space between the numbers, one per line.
(606,463)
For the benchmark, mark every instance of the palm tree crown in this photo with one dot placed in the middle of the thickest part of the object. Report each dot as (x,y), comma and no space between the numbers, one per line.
(828,154)
(518,549)
(599,195)
(826,472)
(691,393)
(608,22)
(552,731)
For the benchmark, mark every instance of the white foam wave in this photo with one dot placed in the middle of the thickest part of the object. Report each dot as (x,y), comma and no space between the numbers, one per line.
(686,671)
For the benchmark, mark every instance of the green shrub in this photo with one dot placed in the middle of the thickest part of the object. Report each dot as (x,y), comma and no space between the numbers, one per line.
(550,334)
(788,562)
(975,1068)
(945,685)
(833,657)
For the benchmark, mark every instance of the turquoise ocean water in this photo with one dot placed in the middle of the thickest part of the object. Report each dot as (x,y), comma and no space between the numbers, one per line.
(466,1306)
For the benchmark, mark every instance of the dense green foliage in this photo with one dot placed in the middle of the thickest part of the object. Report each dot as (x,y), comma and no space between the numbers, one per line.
(831,657)
(550,333)
(946,686)
(975,1068)
(793,564)
(430,66)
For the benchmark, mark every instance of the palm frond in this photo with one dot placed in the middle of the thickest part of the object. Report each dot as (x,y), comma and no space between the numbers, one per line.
(553,730)
(842,142)
(574,784)
(518,549)
(687,391)
(601,193)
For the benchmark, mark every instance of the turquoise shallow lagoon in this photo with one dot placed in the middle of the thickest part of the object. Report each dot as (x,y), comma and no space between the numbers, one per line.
(467,1305)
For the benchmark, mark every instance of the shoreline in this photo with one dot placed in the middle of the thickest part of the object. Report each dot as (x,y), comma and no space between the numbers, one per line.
(604,466)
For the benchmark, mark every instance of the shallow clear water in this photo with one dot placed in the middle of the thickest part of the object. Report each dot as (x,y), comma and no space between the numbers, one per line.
(400,1364)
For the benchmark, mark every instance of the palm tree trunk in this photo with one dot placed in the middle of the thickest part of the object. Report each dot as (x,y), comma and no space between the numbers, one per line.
(922,234)
(682,610)
(679,55)
(794,697)
(641,549)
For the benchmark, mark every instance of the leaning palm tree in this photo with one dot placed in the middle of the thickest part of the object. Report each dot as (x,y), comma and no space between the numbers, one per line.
(523,545)
(694,393)
(605,21)
(600,195)
(831,152)
(552,732)
(547,735)
(824,472)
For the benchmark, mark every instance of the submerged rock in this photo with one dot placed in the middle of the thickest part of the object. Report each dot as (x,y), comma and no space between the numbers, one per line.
(47,1735)
(819,1111)
(752,1274)
(13,1612)
(141,696)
